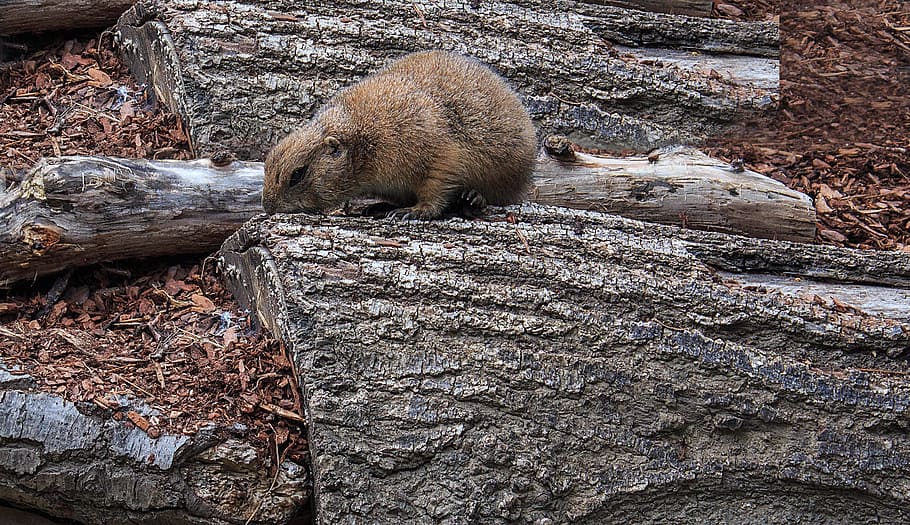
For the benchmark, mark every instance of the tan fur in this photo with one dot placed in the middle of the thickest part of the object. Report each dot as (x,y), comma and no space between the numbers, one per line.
(419,133)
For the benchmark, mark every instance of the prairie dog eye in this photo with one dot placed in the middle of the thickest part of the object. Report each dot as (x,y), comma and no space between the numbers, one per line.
(297,176)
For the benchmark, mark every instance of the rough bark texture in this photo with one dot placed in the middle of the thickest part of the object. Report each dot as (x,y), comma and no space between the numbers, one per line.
(243,74)
(682,187)
(579,368)
(75,462)
(35,16)
(678,7)
(73,211)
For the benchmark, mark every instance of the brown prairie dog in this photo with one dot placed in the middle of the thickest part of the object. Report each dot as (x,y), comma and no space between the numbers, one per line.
(427,130)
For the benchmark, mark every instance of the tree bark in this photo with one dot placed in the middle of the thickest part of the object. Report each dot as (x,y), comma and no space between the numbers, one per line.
(75,211)
(74,462)
(676,7)
(243,74)
(573,367)
(41,16)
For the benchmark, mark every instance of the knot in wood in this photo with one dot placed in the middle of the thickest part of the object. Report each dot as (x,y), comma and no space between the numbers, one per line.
(39,238)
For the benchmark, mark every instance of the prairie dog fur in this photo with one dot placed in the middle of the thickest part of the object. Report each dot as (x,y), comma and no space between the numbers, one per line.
(429,129)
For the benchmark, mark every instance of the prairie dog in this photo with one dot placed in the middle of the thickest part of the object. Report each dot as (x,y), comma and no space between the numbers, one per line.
(429,129)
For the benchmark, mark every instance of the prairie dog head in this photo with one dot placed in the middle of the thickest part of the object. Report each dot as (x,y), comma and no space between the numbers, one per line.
(310,170)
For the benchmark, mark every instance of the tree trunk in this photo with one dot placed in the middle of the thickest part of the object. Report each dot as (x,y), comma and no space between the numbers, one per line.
(676,7)
(74,462)
(41,16)
(573,367)
(242,74)
(74,211)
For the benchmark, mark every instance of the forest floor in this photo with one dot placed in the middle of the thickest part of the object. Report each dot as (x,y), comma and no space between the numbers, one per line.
(166,332)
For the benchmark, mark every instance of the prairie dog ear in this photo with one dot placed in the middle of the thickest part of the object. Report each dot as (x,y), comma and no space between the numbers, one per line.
(332,144)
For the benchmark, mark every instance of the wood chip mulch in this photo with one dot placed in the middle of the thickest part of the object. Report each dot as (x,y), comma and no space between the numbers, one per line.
(75,97)
(163,333)
(842,135)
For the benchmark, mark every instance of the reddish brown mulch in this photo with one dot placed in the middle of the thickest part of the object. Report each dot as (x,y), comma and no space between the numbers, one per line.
(843,133)
(74,97)
(163,333)
(160,333)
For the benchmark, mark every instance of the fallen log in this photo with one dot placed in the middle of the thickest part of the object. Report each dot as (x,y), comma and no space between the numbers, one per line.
(559,369)
(73,461)
(677,186)
(75,211)
(41,16)
(243,74)
(11,516)
(676,7)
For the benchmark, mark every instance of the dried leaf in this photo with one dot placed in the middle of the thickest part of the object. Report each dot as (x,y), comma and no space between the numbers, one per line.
(138,420)
(730,10)
(825,191)
(69,61)
(6,308)
(230,337)
(72,61)
(99,78)
(203,304)
(833,236)
(127,111)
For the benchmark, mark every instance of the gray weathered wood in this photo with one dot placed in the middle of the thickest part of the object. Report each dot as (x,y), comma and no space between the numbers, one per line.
(573,367)
(682,187)
(893,303)
(39,16)
(74,211)
(697,35)
(678,7)
(74,462)
(242,74)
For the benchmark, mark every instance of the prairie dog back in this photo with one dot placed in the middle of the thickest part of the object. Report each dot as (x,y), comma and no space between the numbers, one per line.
(427,130)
